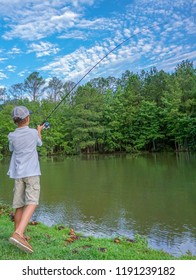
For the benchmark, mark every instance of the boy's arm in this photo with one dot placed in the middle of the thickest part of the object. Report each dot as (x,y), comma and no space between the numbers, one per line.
(11,148)
(39,129)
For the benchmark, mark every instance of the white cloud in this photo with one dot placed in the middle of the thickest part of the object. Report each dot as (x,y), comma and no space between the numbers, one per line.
(147,47)
(11,68)
(74,34)
(73,66)
(150,40)
(2,75)
(64,17)
(30,30)
(77,3)
(3,59)
(171,63)
(96,24)
(31,21)
(15,50)
(22,73)
(159,32)
(43,49)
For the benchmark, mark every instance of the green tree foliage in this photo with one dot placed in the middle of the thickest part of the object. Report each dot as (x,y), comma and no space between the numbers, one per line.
(149,111)
(33,85)
(54,89)
(147,126)
(17,91)
(112,121)
(3,95)
(6,125)
(85,121)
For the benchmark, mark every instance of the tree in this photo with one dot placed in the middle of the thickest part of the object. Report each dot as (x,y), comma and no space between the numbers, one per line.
(124,78)
(3,95)
(155,84)
(113,121)
(85,121)
(170,114)
(54,89)
(34,85)
(103,84)
(17,91)
(69,89)
(130,101)
(6,125)
(148,111)
(147,126)
(185,75)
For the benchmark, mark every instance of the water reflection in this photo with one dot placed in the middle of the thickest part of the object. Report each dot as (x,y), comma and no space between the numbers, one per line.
(109,196)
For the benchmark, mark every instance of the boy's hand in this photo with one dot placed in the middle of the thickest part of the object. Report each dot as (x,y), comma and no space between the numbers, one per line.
(39,129)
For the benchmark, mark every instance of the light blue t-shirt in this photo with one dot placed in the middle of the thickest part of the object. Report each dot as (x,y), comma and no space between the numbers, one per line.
(23,144)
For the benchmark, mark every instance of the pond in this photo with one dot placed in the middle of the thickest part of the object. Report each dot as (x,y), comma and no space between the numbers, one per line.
(119,195)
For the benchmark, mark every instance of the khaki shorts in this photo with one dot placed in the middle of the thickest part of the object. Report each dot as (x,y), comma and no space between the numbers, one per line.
(26,191)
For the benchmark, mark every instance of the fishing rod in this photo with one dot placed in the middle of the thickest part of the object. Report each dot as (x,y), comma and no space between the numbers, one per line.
(45,122)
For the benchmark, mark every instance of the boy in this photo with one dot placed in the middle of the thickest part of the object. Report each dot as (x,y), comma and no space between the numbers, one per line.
(25,169)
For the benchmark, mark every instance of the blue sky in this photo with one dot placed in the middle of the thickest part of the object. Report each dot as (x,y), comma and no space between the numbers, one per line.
(65,38)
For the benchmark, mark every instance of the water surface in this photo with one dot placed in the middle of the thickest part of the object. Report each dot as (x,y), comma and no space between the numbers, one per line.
(110,196)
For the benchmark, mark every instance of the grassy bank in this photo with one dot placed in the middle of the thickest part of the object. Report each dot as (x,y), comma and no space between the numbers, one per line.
(61,243)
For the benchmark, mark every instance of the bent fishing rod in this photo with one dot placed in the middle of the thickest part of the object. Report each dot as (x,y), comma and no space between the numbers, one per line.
(45,122)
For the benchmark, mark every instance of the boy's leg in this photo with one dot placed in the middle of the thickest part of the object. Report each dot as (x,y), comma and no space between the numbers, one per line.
(25,218)
(18,217)
(28,194)
(17,237)
(32,191)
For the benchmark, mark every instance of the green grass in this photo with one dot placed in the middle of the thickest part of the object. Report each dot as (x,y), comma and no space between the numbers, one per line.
(55,243)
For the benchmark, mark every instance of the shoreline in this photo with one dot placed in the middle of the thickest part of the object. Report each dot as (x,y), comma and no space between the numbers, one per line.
(61,243)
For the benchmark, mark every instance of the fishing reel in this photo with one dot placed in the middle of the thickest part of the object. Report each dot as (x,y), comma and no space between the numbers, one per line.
(46,125)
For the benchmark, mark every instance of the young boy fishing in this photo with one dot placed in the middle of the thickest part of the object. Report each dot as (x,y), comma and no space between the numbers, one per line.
(25,169)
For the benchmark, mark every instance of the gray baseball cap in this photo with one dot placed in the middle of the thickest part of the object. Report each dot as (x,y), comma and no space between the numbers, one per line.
(20,112)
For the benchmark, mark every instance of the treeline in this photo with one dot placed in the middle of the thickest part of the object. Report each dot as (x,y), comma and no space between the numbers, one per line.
(148,111)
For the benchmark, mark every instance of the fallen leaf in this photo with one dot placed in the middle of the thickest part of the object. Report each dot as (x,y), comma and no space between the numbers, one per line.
(86,246)
(60,227)
(33,223)
(11,216)
(72,232)
(130,240)
(117,240)
(102,249)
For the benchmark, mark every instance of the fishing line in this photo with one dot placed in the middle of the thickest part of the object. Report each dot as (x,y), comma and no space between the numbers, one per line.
(45,122)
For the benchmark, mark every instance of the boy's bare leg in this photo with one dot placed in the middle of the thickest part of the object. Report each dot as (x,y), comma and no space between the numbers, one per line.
(26,216)
(18,216)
